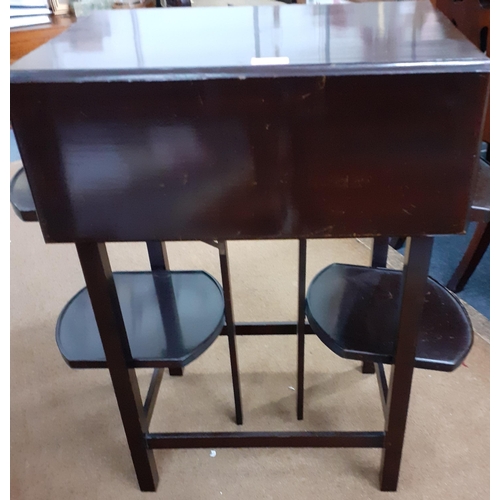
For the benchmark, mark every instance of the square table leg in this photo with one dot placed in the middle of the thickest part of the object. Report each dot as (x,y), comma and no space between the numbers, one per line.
(103,296)
(380,250)
(301,328)
(416,268)
(231,329)
(158,259)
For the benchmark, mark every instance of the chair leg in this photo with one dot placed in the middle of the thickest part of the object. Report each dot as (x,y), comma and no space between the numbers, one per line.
(158,259)
(104,299)
(231,330)
(301,328)
(473,255)
(380,250)
(416,269)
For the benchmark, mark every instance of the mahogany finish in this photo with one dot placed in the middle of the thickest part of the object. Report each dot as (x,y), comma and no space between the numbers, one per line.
(368,124)
(131,151)
(171,318)
(354,311)
(380,250)
(412,301)
(336,40)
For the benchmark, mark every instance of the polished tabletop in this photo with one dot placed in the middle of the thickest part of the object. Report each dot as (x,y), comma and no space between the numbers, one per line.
(296,121)
(227,42)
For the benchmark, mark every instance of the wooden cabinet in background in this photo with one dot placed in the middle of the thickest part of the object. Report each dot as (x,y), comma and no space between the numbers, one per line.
(24,40)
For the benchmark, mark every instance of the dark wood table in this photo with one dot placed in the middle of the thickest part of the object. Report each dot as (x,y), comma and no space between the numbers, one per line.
(271,122)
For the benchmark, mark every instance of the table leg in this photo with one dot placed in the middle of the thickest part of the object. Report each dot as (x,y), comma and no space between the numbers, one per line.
(103,296)
(231,330)
(301,328)
(158,259)
(416,268)
(380,250)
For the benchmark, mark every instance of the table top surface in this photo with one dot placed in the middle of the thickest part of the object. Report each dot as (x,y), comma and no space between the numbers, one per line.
(238,42)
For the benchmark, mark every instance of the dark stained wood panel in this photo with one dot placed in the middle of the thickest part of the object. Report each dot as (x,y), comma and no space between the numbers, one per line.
(338,144)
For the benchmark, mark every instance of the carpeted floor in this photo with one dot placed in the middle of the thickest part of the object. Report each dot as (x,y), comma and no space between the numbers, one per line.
(67,441)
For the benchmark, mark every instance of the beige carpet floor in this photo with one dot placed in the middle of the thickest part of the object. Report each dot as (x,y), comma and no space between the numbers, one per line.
(67,441)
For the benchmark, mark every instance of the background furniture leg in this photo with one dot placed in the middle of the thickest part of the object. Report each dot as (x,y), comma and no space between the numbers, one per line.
(473,255)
